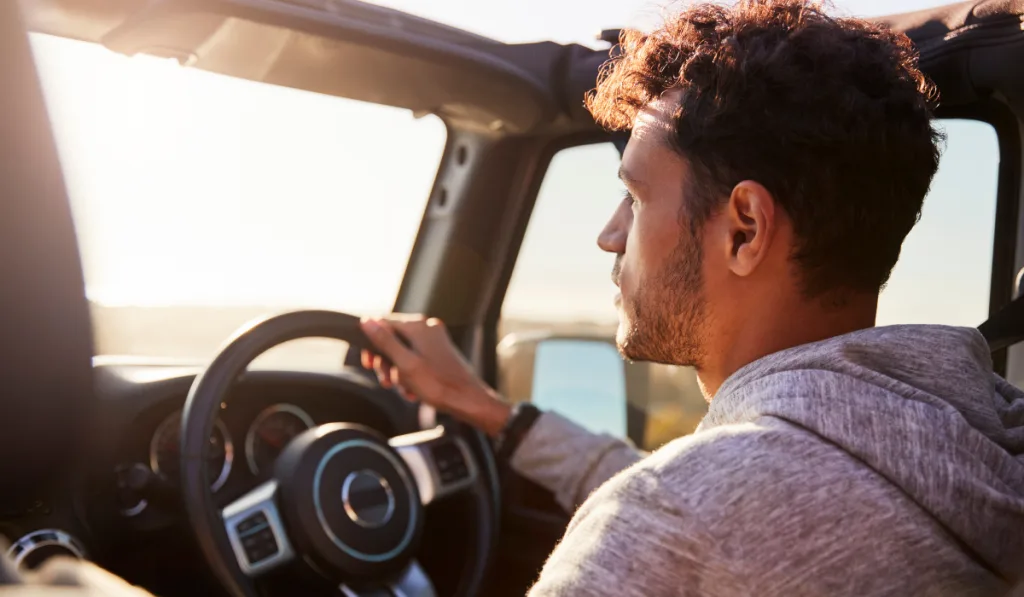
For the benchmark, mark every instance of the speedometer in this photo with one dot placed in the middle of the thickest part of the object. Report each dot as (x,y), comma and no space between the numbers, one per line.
(165,451)
(270,433)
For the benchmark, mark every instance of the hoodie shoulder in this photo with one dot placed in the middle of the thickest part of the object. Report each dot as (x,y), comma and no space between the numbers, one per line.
(761,507)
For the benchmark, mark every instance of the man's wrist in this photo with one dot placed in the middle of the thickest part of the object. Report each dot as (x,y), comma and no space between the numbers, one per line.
(489,413)
(521,420)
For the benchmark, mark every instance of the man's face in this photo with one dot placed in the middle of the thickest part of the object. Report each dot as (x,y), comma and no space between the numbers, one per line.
(658,268)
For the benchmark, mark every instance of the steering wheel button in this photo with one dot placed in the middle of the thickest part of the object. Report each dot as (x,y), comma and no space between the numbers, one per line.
(253,524)
(261,548)
(450,461)
(246,525)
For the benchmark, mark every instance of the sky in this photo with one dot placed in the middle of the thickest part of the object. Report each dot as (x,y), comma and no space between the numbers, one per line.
(194,188)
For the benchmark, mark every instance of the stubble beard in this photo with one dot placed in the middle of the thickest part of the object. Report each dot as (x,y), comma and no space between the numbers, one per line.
(664,321)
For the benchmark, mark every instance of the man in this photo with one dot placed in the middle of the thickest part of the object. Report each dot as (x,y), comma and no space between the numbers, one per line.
(778,158)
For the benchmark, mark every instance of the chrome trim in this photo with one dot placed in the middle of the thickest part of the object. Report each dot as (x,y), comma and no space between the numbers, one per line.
(260,499)
(229,456)
(250,434)
(346,486)
(355,553)
(29,543)
(414,448)
(154,460)
(229,448)
(136,509)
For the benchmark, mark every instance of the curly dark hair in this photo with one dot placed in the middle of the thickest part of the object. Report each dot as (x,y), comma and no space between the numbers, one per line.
(831,115)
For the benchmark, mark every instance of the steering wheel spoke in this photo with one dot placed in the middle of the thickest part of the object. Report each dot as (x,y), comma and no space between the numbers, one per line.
(413,582)
(441,463)
(255,531)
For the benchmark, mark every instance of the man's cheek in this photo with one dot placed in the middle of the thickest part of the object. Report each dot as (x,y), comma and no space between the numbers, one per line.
(627,274)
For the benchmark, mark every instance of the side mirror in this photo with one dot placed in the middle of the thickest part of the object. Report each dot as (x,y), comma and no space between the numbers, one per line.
(582,378)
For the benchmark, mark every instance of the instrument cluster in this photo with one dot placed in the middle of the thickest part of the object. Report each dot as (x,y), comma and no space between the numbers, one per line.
(262,442)
(254,425)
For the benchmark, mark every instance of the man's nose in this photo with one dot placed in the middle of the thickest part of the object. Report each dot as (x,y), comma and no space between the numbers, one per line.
(613,238)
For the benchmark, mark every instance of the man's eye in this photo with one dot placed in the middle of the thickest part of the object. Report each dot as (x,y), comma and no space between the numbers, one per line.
(628,197)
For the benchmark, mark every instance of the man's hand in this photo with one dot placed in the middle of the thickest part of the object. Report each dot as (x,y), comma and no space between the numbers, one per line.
(431,369)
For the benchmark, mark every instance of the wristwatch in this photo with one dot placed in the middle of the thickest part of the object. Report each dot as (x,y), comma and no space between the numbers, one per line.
(523,416)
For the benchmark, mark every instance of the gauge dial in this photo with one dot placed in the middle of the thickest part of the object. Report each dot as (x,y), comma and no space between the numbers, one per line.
(165,451)
(270,433)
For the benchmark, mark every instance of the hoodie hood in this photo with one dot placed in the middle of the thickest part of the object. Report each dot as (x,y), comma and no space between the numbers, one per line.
(921,406)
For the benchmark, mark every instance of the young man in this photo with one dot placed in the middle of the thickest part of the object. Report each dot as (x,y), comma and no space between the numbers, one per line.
(778,158)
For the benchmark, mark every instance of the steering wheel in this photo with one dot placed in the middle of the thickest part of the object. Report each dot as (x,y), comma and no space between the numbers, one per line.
(343,498)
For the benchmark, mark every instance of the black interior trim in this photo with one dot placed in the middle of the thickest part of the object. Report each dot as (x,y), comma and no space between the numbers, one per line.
(45,356)
(342,49)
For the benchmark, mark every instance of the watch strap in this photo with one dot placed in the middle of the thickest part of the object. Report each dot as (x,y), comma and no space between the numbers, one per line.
(524,415)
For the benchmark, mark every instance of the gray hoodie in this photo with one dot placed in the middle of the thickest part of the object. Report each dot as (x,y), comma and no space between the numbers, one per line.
(889,461)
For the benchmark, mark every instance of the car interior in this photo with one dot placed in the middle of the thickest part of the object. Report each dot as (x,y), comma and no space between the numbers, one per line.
(202,477)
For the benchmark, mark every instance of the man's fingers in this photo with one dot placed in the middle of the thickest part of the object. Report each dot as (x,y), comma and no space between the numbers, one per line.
(378,364)
(414,329)
(388,343)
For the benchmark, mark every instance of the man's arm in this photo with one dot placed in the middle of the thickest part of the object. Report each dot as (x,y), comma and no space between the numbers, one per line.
(557,454)
(570,461)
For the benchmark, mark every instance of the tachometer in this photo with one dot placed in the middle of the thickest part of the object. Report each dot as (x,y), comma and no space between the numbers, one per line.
(271,432)
(165,451)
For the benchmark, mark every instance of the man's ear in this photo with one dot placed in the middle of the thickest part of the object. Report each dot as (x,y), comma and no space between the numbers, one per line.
(750,219)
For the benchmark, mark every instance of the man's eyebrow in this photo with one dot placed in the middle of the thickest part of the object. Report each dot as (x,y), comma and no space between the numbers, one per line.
(628,178)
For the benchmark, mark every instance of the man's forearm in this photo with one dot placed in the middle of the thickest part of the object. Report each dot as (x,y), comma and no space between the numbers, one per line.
(569,460)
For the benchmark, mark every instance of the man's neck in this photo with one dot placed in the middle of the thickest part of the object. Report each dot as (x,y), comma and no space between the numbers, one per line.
(765,333)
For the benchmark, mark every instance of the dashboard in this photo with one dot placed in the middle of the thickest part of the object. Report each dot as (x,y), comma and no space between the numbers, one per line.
(123,506)
(264,411)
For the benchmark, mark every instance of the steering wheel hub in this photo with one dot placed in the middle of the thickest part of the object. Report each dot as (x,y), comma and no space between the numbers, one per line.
(347,497)
(368,499)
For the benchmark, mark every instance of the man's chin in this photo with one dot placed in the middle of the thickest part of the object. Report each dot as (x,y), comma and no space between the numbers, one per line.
(636,346)
(625,342)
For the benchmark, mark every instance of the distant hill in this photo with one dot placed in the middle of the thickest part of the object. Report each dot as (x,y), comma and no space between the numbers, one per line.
(197,334)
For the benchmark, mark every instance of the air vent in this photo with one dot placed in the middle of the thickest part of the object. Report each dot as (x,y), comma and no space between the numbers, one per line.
(32,550)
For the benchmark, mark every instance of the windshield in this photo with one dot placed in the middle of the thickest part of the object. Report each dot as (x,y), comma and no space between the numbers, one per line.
(202,201)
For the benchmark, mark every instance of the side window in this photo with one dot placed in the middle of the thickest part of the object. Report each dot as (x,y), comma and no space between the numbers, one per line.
(558,320)
(945,269)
